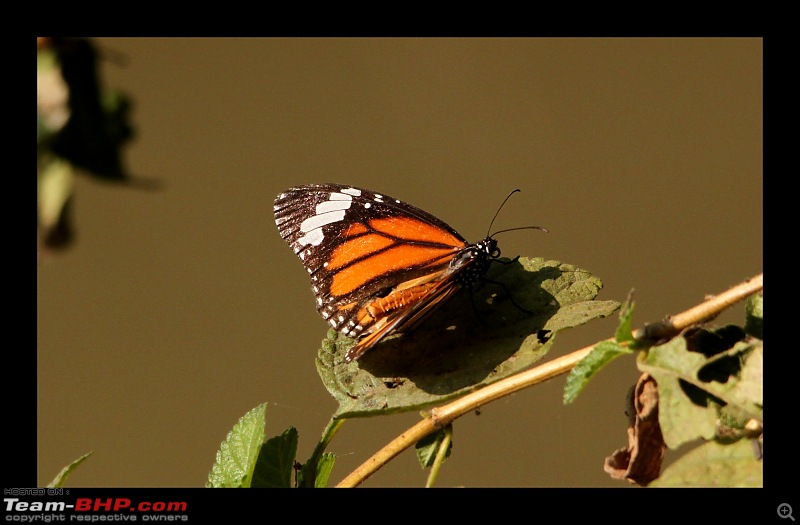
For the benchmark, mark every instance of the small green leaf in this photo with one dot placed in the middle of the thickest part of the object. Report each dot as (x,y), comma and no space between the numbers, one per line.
(715,465)
(316,470)
(624,333)
(324,469)
(428,447)
(602,354)
(237,455)
(275,462)
(61,477)
(320,473)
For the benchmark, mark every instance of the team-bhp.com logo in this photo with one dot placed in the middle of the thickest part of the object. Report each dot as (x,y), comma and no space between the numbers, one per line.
(85,509)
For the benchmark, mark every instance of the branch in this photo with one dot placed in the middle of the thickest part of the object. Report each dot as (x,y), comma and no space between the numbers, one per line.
(442,416)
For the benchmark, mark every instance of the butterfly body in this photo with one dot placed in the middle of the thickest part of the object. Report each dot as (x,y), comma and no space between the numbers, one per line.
(377,265)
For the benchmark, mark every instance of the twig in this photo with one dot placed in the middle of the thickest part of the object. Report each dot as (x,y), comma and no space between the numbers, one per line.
(439,417)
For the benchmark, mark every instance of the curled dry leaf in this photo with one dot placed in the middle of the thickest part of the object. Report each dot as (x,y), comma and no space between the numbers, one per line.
(640,462)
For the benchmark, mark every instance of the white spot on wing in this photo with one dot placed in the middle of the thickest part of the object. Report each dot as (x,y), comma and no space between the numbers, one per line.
(352,191)
(328,212)
(314,237)
(334,204)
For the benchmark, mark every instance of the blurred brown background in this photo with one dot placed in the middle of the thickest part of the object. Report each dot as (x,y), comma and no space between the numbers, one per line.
(177,311)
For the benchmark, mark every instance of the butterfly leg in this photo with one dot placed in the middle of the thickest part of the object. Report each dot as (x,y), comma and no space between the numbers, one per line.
(508,293)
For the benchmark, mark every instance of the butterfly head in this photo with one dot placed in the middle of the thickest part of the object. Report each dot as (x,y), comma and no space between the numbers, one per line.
(475,259)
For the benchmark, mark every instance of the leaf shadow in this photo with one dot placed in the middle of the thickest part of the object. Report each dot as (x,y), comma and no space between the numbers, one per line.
(465,341)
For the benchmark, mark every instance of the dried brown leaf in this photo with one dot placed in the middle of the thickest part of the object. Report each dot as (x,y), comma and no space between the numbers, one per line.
(640,463)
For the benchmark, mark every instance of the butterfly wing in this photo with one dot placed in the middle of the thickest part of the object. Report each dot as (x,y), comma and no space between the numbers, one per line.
(375,262)
(414,304)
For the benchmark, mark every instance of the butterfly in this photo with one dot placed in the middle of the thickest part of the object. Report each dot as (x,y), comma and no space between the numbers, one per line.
(378,265)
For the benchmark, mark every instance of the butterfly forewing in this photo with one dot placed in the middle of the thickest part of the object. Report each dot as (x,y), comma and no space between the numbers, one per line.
(371,257)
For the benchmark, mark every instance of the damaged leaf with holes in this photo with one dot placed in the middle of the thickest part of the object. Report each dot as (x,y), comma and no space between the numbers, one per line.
(703,376)
(705,386)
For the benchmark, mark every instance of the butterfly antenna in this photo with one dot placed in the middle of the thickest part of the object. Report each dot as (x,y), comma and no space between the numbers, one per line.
(510,229)
(498,211)
(523,228)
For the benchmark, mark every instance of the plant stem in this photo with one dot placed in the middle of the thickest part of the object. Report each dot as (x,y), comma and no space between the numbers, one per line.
(442,416)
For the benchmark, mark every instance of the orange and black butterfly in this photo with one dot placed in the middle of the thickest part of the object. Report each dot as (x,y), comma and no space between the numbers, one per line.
(378,265)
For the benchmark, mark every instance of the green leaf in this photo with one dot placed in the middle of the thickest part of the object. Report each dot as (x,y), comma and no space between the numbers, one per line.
(316,470)
(275,462)
(715,465)
(457,350)
(237,455)
(602,354)
(320,474)
(324,469)
(61,477)
(624,333)
(428,447)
